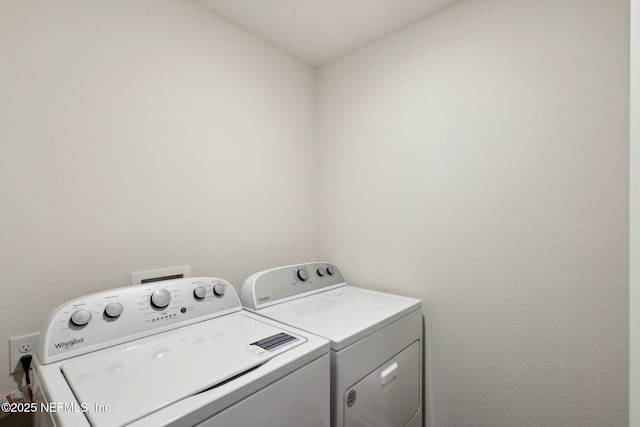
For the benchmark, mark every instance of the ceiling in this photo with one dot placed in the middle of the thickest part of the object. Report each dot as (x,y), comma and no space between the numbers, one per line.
(320,31)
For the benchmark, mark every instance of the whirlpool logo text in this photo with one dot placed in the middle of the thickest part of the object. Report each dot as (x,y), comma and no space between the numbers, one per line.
(70,343)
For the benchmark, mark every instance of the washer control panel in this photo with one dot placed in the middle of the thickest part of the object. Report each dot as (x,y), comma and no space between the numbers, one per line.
(119,315)
(281,284)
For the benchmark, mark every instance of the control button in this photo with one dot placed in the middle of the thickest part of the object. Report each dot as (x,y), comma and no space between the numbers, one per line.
(160,298)
(219,289)
(113,310)
(303,274)
(331,269)
(81,317)
(200,292)
(321,271)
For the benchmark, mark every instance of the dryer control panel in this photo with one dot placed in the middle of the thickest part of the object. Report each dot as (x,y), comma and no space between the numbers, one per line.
(282,284)
(119,315)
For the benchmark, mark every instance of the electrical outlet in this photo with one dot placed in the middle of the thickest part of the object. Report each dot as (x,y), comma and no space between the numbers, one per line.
(20,346)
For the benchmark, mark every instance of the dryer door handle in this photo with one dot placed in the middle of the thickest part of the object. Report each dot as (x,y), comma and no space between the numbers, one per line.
(389,373)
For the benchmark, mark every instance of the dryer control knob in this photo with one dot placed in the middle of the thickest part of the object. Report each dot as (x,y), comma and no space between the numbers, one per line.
(160,298)
(321,271)
(113,310)
(218,289)
(200,292)
(303,274)
(331,269)
(81,317)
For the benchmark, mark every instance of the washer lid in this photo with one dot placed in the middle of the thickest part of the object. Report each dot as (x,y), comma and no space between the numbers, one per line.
(138,378)
(343,315)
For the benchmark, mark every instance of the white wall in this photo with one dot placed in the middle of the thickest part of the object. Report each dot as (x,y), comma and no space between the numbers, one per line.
(139,135)
(479,160)
(634,280)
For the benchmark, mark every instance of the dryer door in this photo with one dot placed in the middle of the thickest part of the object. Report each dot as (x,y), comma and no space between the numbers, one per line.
(388,396)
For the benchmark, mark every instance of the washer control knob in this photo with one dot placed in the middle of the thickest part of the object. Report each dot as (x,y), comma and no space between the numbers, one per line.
(113,310)
(303,274)
(219,289)
(321,271)
(160,298)
(200,292)
(81,317)
(331,269)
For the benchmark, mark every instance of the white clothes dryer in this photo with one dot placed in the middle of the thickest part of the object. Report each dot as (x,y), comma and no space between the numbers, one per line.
(376,340)
(177,353)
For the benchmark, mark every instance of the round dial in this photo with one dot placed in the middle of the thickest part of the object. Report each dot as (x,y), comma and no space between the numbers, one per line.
(219,289)
(81,317)
(113,310)
(160,298)
(331,269)
(303,274)
(321,271)
(200,292)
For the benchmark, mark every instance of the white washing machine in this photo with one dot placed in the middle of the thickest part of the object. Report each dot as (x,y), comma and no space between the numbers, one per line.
(376,340)
(178,353)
